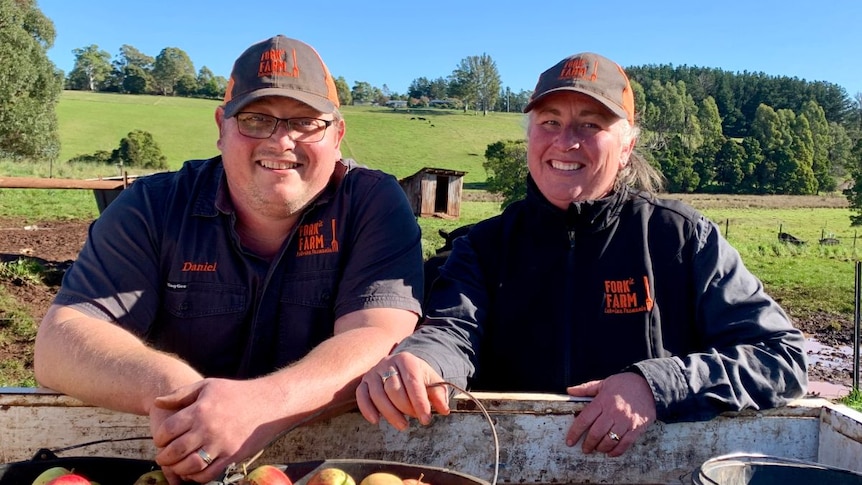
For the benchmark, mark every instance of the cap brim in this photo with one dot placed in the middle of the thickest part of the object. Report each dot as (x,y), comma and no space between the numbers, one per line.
(613,107)
(319,103)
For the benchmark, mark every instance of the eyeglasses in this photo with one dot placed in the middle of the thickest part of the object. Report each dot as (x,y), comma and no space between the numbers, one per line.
(300,130)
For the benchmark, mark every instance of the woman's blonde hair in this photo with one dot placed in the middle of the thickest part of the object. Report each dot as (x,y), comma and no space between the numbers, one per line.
(637,172)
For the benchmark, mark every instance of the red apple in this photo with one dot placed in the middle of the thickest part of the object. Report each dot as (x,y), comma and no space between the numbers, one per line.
(267,475)
(69,479)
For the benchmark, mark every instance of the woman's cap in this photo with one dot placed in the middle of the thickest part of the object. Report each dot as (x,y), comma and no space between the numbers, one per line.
(590,74)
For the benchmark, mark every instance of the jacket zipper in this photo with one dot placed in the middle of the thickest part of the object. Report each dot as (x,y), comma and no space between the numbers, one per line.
(569,321)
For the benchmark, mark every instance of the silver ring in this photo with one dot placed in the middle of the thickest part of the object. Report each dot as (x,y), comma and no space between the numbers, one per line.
(613,436)
(205,456)
(386,375)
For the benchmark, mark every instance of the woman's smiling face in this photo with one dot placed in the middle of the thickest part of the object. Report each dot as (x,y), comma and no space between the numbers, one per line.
(575,147)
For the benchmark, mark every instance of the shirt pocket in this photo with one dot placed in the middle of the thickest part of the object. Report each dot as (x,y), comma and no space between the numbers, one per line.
(195,300)
(312,289)
(306,312)
(204,323)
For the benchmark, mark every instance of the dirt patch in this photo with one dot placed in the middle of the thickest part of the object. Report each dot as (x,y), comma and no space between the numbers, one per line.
(55,245)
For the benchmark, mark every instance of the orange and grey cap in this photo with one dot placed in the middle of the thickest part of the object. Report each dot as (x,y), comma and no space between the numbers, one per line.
(590,74)
(280,66)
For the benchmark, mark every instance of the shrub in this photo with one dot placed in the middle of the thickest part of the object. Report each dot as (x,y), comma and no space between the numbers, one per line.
(506,165)
(139,149)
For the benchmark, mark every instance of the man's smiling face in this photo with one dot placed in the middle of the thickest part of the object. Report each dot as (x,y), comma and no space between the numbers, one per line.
(277,176)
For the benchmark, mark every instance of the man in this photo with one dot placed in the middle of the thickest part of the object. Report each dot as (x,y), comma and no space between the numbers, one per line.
(595,288)
(240,294)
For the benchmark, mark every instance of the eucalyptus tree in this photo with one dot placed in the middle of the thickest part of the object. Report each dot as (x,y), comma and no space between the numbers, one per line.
(839,151)
(30,84)
(821,137)
(345,98)
(709,125)
(171,65)
(476,81)
(92,68)
(133,71)
(729,166)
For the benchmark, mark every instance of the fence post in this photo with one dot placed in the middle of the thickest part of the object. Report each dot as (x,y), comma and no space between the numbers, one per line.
(726,227)
(856,326)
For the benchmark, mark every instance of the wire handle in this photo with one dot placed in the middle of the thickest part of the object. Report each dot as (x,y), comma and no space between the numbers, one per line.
(490,422)
(234,473)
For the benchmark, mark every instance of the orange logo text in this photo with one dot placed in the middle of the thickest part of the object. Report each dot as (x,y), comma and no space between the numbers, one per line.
(578,69)
(312,238)
(622,296)
(273,63)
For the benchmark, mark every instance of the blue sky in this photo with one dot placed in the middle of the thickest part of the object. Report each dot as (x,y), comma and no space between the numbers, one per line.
(393,43)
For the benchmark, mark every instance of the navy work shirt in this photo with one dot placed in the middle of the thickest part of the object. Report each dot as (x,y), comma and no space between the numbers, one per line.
(165,262)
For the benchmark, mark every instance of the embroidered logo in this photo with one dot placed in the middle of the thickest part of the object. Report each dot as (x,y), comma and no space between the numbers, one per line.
(312,238)
(624,296)
(199,267)
(579,69)
(273,63)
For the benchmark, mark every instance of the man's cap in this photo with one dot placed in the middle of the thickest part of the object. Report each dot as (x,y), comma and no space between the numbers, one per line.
(591,74)
(280,66)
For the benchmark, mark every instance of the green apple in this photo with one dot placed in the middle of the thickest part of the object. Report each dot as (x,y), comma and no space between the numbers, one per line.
(381,478)
(155,477)
(50,474)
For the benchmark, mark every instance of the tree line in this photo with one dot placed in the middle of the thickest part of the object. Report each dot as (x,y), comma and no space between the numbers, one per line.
(705,129)
(475,82)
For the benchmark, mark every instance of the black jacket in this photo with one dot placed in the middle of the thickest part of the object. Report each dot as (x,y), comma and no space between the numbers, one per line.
(538,299)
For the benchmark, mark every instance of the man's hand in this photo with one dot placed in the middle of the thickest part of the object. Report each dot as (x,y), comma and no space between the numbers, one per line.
(229,420)
(396,388)
(623,407)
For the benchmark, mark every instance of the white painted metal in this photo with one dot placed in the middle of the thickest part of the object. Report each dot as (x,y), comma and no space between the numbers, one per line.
(531,431)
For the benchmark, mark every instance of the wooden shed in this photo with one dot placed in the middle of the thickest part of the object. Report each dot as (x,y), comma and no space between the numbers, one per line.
(434,192)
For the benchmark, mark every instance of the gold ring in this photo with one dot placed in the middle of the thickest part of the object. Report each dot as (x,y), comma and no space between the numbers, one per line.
(390,373)
(205,456)
(613,436)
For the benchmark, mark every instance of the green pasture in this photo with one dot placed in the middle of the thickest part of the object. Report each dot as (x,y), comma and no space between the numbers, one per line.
(808,279)
(396,141)
(811,278)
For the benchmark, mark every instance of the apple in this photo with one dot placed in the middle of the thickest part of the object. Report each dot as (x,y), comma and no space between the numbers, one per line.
(155,477)
(50,474)
(331,476)
(267,475)
(416,481)
(381,478)
(69,479)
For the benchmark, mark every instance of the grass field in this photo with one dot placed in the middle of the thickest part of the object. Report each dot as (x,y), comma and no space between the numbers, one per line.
(401,142)
(398,142)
